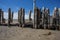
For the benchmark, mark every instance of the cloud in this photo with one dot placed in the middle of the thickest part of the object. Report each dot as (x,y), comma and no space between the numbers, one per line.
(27,16)
(6,15)
(15,16)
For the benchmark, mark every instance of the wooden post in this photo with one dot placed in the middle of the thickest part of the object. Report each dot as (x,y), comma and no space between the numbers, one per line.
(56,19)
(36,18)
(12,17)
(47,18)
(23,17)
(30,19)
(0,15)
(48,14)
(18,14)
(20,17)
(39,18)
(43,20)
(9,17)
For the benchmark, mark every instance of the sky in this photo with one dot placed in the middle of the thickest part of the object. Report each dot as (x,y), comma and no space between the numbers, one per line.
(15,5)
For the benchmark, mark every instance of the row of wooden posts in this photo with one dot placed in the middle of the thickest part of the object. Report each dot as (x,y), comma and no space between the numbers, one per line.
(41,18)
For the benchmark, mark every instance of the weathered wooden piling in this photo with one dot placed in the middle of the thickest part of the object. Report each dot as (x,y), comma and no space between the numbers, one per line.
(47,18)
(0,15)
(2,18)
(43,12)
(39,17)
(30,12)
(20,17)
(9,17)
(56,19)
(36,18)
(12,17)
(18,14)
(23,17)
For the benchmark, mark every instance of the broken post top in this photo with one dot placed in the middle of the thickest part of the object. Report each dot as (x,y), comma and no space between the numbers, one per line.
(0,10)
(9,10)
(47,10)
(55,9)
(55,12)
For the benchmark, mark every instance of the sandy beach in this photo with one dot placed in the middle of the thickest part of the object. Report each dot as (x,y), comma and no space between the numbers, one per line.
(18,33)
